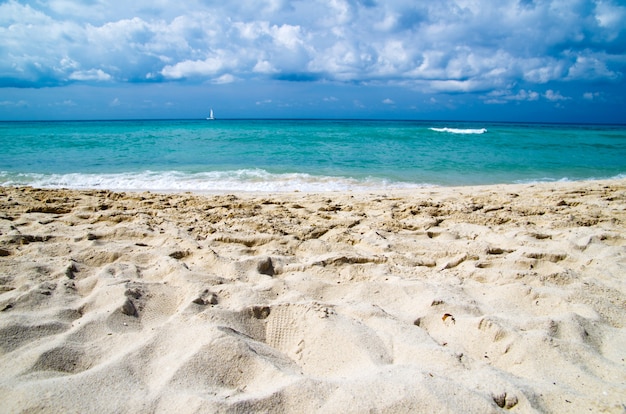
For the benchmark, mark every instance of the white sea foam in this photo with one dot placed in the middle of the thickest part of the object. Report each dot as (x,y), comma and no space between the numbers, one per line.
(569,179)
(214,181)
(460,131)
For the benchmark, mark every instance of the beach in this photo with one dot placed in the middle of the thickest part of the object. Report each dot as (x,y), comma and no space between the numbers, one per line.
(473,299)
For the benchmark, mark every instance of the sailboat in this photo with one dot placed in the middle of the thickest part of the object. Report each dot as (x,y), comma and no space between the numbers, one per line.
(211,117)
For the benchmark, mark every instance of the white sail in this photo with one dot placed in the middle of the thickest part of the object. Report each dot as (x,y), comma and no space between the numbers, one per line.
(211,114)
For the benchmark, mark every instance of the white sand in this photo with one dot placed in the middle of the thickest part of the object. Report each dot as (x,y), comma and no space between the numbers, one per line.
(460,300)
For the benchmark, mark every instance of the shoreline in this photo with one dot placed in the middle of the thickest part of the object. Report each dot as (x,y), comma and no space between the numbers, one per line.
(299,184)
(440,299)
(399,190)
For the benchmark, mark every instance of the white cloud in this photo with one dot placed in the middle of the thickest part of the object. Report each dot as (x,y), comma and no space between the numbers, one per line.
(590,96)
(388,101)
(611,17)
(264,66)
(90,75)
(590,68)
(193,68)
(555,96)
(287,35)
(447,46)
(226,78)
(20,103)
(453,85)
(504,96)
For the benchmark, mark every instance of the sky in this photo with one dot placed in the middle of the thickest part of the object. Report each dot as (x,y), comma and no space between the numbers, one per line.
(489,60)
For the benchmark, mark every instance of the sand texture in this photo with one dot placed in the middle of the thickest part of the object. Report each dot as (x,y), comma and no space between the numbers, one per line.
(448,300)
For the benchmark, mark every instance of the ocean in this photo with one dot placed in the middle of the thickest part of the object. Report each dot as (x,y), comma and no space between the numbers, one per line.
(305,155)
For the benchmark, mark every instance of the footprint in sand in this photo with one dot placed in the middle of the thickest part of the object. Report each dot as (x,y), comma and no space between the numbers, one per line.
(306,333)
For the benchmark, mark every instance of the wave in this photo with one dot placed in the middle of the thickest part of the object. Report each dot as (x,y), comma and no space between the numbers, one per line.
(245,180)
(620,176)
(460,131)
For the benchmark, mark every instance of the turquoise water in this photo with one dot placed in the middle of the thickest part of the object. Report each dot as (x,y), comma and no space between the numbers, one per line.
(287,155)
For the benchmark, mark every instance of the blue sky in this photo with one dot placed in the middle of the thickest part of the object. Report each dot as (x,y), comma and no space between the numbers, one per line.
(500,60)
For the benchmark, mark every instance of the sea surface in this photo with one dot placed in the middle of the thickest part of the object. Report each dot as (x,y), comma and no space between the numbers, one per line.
(304,155)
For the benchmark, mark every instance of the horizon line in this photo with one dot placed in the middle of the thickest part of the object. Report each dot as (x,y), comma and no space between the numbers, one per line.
(312,119)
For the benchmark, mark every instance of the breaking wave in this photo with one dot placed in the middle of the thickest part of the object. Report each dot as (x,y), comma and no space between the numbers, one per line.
(244,180)
(460,130)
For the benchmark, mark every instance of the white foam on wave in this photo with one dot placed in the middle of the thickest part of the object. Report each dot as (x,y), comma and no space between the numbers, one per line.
(621,176)
(460,130)
(245,180)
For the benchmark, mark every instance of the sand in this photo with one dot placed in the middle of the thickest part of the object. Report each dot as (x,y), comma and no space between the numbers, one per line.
(460,300)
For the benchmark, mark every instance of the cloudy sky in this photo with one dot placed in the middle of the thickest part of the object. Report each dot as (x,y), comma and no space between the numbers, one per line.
(508,60)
